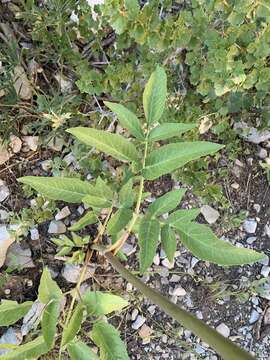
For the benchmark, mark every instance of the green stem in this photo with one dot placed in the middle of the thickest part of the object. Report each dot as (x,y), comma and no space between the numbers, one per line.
(226,348)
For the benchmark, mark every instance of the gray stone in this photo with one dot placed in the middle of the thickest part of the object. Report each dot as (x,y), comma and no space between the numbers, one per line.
(167,264)
(179,291)
(223,329)
(251,134)
(254,316)
(250,226)
(211,215)
(251,240)
(140,320)
(265,271)
(34,234)
(63,213)
(72,272)
(10,336)
(257,208)
(262,153)
(57,227)
(46,165)
(4,215)
(267,230)
(18,257)
(4,191)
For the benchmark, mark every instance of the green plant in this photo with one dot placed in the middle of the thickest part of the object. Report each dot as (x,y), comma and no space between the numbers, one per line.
(144,158)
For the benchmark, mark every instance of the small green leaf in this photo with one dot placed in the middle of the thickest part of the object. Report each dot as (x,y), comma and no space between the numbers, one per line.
(48,289)
(96,201)
(166,203)
(127,195)
(100,303)
(168,242)
(11,311)
(169,130)
(59,188)
(31,350)
(119,220)
(127,119)
(73,326)
(171,157)
(112,144)
(107,338)
(80,351)
(148,236)
(154,96)
(49,322)
(204,244)
(179,216)
(88,219)
(102,188)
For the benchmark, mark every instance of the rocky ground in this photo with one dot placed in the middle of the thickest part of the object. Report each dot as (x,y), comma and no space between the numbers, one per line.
(233,300)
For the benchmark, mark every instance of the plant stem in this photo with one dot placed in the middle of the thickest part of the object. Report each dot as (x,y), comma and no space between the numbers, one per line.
(120,242)
(226,348)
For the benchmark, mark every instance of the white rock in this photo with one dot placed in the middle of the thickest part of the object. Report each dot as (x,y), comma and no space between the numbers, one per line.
(250,226)
(254,316)
(72,272)
(31,142)
(128,249)
(235,186)
(175,278)
(211,215)
(57,227)
(167,264)
(251,240)
(262,153)
(179,291)
(4,215)
(265,271)
(63,213)
(156,259)
(267,230)
(10,336)
(32,318)
(4,192)
(251,134)
(34,234)
(15,144)
(223,329)
(257,208)
(140,320)
(19,257)
(6,239)
(134,314)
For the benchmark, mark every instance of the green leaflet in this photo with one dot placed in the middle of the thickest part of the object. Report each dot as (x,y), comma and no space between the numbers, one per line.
(97,201)
(31,350)
(179,216)
(107,338)
(119,220)
(48,289)
(102,188)
(59,188)
(166,203)
(80,351)
(88,219)
(148,237)
(204,244)
(154,95)
(112,144)
(127,119)
(11,311)
(99,303)
(168,241)
(49,322)
(169,130)
(170,157)
(73,326)
(127,195)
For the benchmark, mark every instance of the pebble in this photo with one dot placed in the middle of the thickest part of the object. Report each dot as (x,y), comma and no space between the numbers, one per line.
(167,264)
(235,186)
(175,278)
(34,234)
(10,336)
(250,226)
(17,257)
(31,142)
(265,271)
(156,259)
(267,230)
(57,227)
(128,249)
(223,329)
(4,215)
(262,153)
(134,314)
(4,191)
(251,240)
(211,215)
(140,320)
(199,315)
(46,165)
(63,213)
(254,316)
(72,273)
(179,291)
(257,208)
(145,333)
(152,309)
